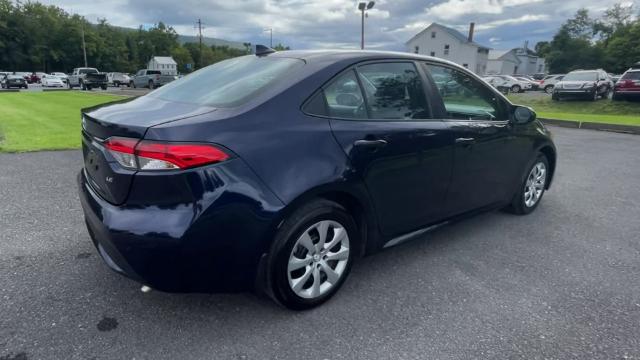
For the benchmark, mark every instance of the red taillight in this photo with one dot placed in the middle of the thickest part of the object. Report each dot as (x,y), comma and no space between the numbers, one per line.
(183,156)
(153,155)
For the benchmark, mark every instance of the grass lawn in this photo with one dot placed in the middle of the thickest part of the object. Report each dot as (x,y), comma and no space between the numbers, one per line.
(31,121)
(601,111)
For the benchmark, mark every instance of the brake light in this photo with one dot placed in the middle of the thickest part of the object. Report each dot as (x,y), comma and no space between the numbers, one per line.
(153,155)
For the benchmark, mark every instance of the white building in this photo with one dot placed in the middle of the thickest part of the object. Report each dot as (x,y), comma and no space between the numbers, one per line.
(518,61)
(447,43)
(503,62)
(165,64)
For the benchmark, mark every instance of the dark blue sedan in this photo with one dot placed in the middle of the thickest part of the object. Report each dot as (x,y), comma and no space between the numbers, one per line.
(276,171)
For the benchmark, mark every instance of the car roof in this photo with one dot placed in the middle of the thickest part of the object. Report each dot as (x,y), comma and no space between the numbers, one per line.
(356,55)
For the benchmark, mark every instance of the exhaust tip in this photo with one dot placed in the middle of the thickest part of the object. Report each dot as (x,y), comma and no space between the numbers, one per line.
(145,289)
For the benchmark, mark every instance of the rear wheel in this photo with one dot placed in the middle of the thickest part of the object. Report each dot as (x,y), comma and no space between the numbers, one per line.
(150,85)
(548,89)
(532,188)
(311,255)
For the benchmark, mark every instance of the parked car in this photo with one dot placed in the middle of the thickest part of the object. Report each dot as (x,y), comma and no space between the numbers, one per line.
(261,171)
(62,76)
(628,87)
(539,76)
(590,84)
(498,83)
(13,81)
(117,79)
(87,79)
(150,79)
(33,78)
(550,81)
(533,85)
(514,84)
(51,81)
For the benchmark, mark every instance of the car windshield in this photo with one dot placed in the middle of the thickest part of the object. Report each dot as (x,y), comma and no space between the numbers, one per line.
(582,76)
(14,77)
(631,75)
(228,83)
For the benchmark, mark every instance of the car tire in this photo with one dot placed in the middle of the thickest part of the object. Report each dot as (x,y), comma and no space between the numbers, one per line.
(594,96)
(151,86)
(548,89)
(297,244)
(532,187)
(516,89)
(132,84)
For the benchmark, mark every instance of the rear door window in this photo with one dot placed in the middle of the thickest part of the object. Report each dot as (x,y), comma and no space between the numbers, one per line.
(393,91)
(344,98)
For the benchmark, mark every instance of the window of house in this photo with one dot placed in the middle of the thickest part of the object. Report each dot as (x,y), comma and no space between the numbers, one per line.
(433,53)
(433,34)
(416,49)
(464,97)
(466,66)
(393,91)
(446,49)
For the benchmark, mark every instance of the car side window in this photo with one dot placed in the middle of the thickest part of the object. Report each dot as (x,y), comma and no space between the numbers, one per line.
(464,97)
(393,91)
(344,98)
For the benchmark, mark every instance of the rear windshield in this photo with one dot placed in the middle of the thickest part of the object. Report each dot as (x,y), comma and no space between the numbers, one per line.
(153,72)
(228,83)
(582,76)
(631,75)
(87,71)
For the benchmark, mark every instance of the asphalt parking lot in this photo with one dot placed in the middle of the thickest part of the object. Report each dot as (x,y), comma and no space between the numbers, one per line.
(562,283)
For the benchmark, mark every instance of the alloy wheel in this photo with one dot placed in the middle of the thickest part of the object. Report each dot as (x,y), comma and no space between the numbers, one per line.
(318,259)
(534,187)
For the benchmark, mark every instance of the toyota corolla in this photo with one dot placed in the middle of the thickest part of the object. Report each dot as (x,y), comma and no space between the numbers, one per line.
(276,171)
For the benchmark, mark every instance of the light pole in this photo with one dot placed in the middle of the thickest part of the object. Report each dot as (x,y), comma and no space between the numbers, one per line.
(362,7)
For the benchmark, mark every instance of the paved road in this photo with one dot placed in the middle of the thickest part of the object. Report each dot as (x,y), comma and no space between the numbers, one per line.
(562,283)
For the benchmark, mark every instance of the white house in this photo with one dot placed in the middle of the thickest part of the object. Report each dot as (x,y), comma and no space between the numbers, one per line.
(165,64)
(447,43)
(502,62)
(518,61)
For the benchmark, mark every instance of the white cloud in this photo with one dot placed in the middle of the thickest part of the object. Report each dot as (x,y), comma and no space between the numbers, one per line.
(453,9)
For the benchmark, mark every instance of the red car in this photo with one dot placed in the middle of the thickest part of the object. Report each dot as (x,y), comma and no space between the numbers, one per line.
(628,86)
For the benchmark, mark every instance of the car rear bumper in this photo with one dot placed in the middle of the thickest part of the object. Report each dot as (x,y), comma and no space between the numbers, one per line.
(210,245)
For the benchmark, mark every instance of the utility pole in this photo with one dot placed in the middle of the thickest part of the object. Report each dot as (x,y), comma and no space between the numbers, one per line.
(199,25)
(84,46)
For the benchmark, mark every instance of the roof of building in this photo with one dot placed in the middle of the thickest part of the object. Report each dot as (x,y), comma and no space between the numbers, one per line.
(453,32)
(167,60)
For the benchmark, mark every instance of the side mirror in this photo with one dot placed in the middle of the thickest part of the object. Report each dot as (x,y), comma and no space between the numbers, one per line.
(523,115)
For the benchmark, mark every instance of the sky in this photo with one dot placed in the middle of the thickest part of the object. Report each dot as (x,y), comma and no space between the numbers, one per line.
(308,24)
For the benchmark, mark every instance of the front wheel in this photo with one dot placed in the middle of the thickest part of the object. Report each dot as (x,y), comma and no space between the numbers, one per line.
(312,254)
(151,85)
(532,188)
(548,89)
(516,88)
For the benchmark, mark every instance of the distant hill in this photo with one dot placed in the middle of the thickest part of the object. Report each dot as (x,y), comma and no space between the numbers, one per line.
(210,41)
(194,39)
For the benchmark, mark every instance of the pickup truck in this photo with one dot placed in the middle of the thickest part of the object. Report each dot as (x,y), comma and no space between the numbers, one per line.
(151,79)
(87,78)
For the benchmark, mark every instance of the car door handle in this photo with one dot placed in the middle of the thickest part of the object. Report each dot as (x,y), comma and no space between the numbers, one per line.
(465,141)
(370,143)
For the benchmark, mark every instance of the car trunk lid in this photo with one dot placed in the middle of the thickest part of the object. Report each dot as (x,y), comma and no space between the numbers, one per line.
(131,119)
